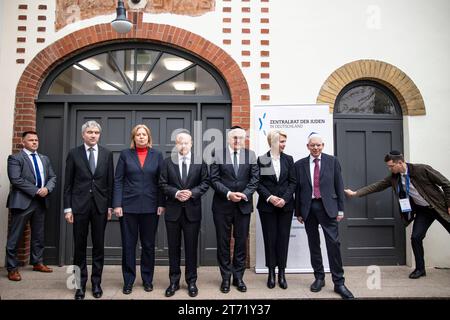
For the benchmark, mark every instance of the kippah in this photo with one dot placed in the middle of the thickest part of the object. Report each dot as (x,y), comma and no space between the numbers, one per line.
(395,153)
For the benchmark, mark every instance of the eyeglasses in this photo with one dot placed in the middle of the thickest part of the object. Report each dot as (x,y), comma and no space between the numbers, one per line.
(317,145)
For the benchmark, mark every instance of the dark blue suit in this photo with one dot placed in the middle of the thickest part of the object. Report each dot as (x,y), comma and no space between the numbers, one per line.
(136,191)
(321,211)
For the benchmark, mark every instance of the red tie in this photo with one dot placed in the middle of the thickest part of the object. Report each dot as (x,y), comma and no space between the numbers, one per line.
(316,178)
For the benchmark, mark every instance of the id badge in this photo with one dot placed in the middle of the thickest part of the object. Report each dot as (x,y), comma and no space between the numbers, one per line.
(405,205)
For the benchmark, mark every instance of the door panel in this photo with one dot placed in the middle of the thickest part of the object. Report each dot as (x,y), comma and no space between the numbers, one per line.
(212,117)
(372,232)
(50,128)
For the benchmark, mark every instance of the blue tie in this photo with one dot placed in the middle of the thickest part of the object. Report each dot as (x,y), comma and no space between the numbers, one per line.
(36,169)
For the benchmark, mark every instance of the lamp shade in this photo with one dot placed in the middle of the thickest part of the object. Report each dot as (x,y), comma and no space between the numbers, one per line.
(121,24)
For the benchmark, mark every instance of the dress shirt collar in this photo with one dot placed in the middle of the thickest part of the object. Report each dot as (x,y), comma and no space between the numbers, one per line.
(188,157)
(311,158)
(28,152)
(86,147)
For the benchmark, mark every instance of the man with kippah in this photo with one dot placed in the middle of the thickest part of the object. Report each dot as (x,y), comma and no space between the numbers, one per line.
(423,194)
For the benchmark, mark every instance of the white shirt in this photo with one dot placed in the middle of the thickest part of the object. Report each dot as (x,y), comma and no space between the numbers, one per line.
(277,168)
(180,162)
(86,147)
(40,165)
(232,151)
(413,193)
(311,170)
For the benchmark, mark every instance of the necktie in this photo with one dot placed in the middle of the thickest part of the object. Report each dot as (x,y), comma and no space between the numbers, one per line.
(184,171)
(235,163)
(91,160)
(316,179)
(36,169)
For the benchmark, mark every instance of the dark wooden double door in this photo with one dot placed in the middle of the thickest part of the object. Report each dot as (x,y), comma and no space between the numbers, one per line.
(59,128)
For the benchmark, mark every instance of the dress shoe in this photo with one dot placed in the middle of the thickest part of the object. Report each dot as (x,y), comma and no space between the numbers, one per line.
(344,292)
(271,278)
(79,294)
(97,291)
(14,275)
(42,268)
(282,278)
(148,287)
(225,286)
(192,289)
(170,291)
(317,285)
(240,285)
(416,274)
(127,289)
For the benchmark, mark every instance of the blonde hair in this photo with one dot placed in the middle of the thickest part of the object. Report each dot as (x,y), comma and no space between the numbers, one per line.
(134,132)
(275,134)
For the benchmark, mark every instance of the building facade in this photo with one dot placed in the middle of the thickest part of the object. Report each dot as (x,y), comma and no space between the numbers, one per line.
(382,67)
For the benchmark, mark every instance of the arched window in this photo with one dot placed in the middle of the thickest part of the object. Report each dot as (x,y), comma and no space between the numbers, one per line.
(367,98)
(135,71)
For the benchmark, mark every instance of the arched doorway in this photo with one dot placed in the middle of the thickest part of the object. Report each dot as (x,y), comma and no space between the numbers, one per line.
(368,124)
(120,85)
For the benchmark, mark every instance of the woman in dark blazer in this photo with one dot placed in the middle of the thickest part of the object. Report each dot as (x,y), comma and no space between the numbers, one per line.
(138,203)
(276,204)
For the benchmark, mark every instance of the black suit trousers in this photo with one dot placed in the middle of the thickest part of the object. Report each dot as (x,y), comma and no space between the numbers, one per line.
(190,231)
(317,215)
(276,228)
(81,223)
(240,223)
(35,213)
(424,218)
(145,225)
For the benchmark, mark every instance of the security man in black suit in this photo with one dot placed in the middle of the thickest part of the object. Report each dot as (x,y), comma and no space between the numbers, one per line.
(234,177)
(183,179)
(88,200)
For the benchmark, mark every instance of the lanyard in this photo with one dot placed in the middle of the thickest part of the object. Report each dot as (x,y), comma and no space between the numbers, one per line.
(406,183)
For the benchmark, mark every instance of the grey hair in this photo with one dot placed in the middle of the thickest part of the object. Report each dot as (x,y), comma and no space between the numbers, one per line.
(89,124)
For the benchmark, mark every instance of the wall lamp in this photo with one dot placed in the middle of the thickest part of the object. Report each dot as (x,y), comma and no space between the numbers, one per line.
(121,24)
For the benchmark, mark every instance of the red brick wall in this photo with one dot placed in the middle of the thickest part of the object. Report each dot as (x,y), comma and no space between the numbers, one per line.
(37,70)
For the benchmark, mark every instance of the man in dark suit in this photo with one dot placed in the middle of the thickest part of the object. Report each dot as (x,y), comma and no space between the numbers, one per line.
(183,180)
(320,200)
(32,180)
(234,177)
(423,194)
(88,187)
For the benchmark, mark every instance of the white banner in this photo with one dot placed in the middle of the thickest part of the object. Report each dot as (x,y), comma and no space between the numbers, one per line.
(298,121)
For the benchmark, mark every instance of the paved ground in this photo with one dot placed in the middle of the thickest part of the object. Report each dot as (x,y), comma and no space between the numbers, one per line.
(393,284)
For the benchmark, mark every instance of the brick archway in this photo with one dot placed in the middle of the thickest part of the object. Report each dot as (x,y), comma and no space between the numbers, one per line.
(37,70)
(397,81)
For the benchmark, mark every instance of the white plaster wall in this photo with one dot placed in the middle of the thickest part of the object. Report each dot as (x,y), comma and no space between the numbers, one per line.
(311,39)
(8,81)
